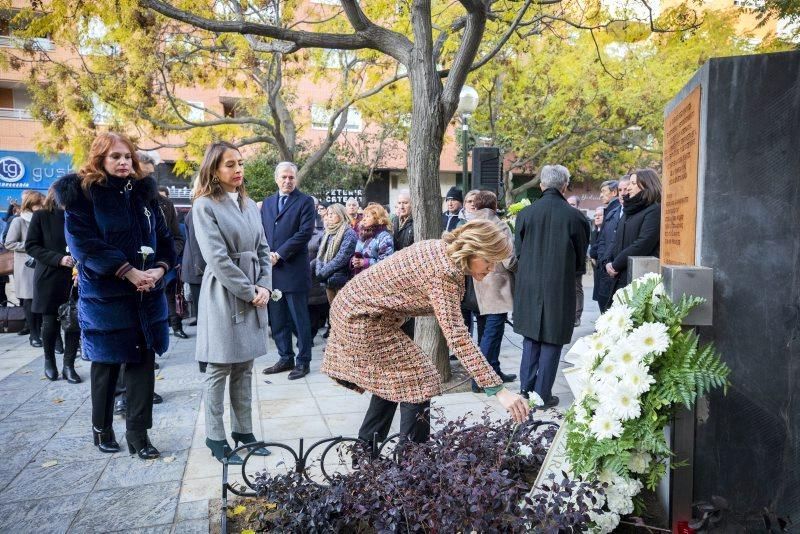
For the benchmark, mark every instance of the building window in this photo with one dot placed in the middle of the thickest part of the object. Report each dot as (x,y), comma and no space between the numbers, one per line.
(7,39)
(195,112)
(15,103)
(321,116)
(95,31)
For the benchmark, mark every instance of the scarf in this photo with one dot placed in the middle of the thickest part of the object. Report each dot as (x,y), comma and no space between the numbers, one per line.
(633,204)
(368,232)
(332,240)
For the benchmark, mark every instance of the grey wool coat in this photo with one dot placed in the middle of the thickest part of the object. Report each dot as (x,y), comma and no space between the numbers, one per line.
(23,275)
(231,239)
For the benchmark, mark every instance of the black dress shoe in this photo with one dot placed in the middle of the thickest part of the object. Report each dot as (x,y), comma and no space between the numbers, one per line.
(121,405)
(157,399)
(139,443)
(69,374)
(506,378)
(178,332)
(280,367)
(36,342)
(24,332)
(105,440)
(551,402)
(299,371)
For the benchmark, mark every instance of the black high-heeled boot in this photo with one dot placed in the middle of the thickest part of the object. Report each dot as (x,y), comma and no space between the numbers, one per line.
(139,443)
(220,448)
(50,369)
(249,438)
(68,372)
(104,440)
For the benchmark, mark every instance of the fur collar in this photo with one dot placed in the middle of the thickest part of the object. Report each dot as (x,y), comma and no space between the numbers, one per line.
(69,191)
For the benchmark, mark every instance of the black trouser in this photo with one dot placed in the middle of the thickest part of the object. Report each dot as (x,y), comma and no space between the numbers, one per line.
(195,289)
(408,328)
(50,332)
(467,315)
(415,423)
(318,313)
(33,321)
(170,291)
(139,383)
(578,297)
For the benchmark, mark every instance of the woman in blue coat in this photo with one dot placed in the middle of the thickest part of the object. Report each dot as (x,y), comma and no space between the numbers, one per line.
(335,250)
(116,232)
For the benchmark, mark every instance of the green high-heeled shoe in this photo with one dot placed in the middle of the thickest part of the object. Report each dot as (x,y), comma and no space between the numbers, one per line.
(220,448)
(249,438)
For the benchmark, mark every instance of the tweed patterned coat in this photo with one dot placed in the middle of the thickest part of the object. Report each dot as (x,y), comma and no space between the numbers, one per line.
(366,346)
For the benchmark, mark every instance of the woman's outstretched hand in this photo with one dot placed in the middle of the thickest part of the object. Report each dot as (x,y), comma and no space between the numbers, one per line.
(516,405)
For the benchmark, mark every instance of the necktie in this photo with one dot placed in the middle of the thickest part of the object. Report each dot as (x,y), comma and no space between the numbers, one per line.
(281,202)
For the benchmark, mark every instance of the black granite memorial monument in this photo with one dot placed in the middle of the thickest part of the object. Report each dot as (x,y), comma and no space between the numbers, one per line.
(747,443)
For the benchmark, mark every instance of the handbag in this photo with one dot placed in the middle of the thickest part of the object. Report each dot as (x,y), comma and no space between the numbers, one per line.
(30,262)
(12,318)
(68,315)
(6,262)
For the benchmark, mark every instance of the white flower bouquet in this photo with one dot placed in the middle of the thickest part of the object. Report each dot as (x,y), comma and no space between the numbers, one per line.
(636,368)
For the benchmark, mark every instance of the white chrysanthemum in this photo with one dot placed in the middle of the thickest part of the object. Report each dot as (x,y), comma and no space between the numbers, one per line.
(639,462)
(623,402)
(624,355)
(619,503)
(649,338)
(607,373)
(605,522)
(616,322)
(647,277)
(581,415)
(638,379)
(598,345)
(604,426)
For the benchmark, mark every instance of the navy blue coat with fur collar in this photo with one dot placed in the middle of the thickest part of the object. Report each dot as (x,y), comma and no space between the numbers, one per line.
(105,230)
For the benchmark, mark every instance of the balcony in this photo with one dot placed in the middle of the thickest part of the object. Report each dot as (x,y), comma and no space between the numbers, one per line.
(15,114)
(39,43)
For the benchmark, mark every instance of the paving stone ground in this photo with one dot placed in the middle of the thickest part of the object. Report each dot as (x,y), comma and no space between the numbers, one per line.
(53,479)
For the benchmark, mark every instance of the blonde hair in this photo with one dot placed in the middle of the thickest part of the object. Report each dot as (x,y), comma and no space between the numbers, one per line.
(31,199)
(378,213)
(480,238)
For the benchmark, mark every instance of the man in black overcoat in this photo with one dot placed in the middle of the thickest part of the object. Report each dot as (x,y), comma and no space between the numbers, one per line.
(551,242)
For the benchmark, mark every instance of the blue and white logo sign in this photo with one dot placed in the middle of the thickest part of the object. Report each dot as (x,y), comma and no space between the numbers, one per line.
(11,169)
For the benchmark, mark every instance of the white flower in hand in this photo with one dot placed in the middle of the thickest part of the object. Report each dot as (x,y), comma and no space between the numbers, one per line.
(276,295)
(146,251)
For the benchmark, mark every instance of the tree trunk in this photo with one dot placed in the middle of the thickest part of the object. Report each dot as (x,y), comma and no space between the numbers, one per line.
(424,153)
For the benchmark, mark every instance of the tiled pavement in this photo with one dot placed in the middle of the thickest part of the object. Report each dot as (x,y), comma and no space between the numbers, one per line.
(52,479)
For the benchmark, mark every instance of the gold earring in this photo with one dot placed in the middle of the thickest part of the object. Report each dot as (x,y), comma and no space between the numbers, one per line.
(214,180)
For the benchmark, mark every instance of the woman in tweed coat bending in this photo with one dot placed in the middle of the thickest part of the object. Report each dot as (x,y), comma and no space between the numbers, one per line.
(367,350)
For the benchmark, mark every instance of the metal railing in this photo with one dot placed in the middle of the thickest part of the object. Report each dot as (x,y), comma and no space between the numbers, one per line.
(15,113)
(40,43)
(301,461)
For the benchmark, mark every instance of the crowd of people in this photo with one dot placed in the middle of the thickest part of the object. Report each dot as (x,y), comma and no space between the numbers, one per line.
(104,250)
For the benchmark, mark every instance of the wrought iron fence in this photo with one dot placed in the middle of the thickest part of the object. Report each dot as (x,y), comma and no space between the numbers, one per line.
(301,461)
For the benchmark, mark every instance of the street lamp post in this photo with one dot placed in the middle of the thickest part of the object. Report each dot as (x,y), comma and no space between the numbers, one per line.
(467,104)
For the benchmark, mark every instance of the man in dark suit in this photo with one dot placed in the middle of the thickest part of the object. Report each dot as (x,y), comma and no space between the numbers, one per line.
(288,219)
(601,250)
(551,242)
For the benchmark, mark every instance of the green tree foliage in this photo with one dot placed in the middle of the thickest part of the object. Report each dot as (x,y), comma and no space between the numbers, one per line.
(594,100)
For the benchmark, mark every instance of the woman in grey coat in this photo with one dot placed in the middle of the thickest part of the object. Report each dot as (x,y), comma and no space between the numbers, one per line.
(237,281)
(23,274)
